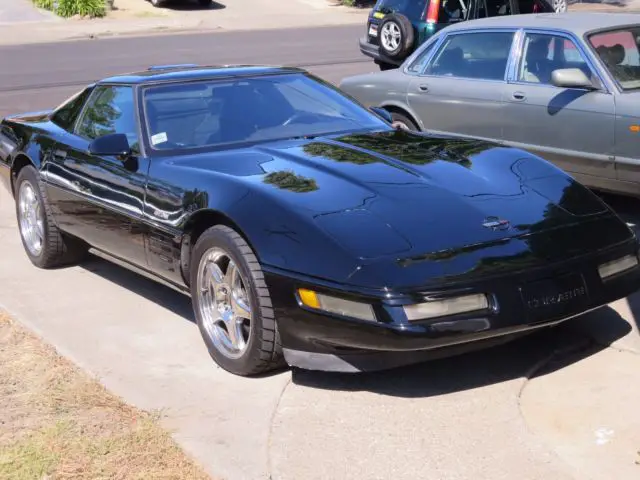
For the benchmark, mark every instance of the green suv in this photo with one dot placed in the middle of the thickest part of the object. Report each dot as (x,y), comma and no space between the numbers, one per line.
(395,28)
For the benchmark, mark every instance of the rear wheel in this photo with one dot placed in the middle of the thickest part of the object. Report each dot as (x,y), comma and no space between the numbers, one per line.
(45,245)
(232,304)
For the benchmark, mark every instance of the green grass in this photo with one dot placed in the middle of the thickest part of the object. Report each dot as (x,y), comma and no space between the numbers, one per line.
(58,423)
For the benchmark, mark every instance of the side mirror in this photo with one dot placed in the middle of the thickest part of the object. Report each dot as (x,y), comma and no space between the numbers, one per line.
(571,78)
(382,113)
(116,144)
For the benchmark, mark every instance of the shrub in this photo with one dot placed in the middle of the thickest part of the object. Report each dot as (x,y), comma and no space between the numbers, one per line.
(69,8)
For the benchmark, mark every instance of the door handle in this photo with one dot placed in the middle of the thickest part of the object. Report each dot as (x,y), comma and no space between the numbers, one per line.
(519,96)
(423,88)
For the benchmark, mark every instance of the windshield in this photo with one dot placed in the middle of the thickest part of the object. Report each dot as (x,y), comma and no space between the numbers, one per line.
(619,51)
(274,107)
(412,9)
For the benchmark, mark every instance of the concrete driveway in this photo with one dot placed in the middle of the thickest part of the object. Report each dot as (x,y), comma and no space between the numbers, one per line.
(473,416)
(560,404)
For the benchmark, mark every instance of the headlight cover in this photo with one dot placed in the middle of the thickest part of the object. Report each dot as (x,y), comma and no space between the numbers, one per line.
(445,307)
(340,306)
(616,266)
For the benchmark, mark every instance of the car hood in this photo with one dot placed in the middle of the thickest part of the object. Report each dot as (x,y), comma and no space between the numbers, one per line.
(403,195)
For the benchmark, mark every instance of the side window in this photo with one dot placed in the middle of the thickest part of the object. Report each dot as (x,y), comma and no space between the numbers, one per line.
(494,8)
(65,115)
(419,62)
(473,55)
(111,109)
(544,53)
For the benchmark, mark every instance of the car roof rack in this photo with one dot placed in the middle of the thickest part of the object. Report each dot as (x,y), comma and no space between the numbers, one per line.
(169,67)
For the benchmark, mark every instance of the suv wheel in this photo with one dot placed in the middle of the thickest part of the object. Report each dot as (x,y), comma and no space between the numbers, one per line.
(396,36)
(559,6)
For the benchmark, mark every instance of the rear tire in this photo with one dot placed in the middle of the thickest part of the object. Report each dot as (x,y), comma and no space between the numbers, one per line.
(227,279)
(45,245)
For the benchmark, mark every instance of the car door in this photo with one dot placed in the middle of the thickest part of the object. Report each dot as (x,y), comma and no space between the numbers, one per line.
(570,127)
(100,199)
(460,90)
(619,51)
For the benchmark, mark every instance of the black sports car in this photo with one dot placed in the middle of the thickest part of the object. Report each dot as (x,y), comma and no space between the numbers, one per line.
(305,227)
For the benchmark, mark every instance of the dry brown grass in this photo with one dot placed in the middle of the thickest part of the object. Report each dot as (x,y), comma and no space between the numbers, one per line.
(57,423)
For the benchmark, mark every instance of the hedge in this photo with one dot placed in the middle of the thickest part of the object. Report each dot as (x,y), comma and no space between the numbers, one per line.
(69,8)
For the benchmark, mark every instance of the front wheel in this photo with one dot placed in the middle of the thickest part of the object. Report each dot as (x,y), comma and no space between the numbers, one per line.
(401,120)
(232,304)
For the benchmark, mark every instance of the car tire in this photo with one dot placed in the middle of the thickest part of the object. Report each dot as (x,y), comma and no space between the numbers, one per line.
(396,36)
(215,292)
(45,245)
(403,121)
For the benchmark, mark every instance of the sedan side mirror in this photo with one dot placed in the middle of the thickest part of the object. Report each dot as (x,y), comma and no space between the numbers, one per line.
(571,78)
(116,144)
(382,113)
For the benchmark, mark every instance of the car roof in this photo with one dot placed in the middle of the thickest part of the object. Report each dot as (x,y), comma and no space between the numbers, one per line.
(576,22)
(188,72)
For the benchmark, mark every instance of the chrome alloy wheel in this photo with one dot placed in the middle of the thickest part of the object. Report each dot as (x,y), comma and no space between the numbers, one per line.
(223,302)
(390,36)
(30,218)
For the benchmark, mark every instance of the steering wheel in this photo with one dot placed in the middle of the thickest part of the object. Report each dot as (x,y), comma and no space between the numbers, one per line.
(299,115)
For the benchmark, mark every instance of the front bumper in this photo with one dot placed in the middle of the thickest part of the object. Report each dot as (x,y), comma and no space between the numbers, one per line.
(322,341)
(373,51)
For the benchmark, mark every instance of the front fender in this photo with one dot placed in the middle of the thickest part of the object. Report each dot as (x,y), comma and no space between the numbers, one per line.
(287,238)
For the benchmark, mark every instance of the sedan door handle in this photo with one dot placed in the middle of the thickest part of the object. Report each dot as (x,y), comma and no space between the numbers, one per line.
(423,87)
(519,96)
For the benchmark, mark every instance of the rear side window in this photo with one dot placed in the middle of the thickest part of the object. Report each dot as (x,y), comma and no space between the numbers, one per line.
(65,115)
(412,9)
(473,55)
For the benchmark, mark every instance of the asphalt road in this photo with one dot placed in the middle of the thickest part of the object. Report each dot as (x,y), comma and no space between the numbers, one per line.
(35,77)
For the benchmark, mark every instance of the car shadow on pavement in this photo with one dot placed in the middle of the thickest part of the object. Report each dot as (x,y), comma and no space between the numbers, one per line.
(520,358)
(155,292)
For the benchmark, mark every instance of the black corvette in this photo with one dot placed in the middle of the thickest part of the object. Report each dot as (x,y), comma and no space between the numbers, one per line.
(305,227)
